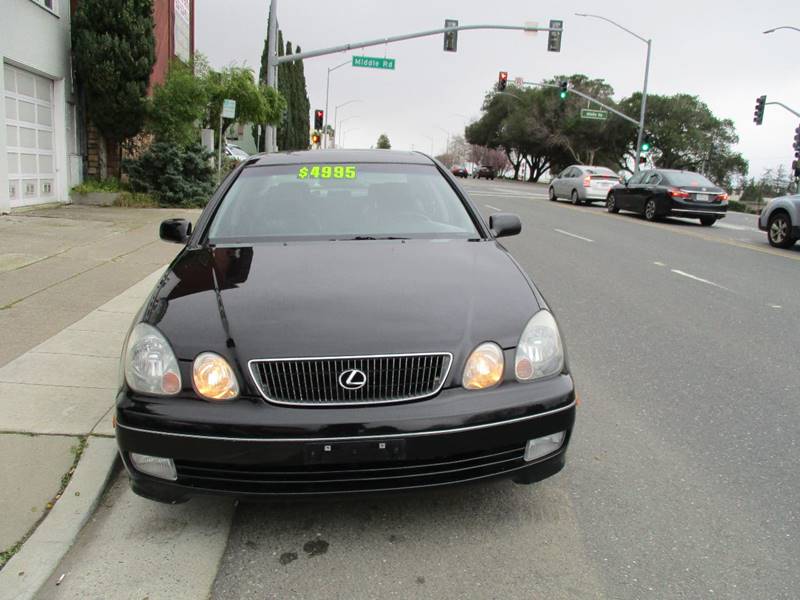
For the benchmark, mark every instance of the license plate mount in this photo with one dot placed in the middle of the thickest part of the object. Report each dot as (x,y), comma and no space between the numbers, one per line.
(372,451)
(701,197)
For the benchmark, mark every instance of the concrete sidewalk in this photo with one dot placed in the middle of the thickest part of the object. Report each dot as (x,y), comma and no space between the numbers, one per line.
(71,280)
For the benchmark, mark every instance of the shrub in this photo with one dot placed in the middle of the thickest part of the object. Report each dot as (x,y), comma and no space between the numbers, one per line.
(134,200)
(173,175)
(89,186)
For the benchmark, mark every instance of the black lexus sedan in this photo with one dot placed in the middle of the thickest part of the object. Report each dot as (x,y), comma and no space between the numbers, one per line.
(661,193)
(341,322)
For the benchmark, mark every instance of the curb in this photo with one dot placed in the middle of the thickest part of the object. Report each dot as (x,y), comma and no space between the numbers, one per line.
(24,575)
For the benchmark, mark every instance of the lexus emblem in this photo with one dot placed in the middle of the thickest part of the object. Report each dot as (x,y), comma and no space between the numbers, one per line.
(352,379)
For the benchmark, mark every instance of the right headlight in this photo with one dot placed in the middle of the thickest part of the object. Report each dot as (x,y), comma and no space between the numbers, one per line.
(539,352)
(149,362)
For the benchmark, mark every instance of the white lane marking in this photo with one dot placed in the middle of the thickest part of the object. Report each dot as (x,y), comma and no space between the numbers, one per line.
(659,263)
(492,207)
(736,227)
(700,279)
(775,306)
(580,237)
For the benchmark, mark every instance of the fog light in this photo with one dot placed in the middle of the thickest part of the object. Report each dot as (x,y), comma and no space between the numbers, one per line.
(163,468)
(544,445)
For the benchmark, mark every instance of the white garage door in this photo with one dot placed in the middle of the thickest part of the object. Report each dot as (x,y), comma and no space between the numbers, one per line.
(29,137)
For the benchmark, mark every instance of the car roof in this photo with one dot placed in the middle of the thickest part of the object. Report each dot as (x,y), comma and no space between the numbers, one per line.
(341,156)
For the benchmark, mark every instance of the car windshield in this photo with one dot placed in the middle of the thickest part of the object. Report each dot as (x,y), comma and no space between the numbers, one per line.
(688,178)
(338,201)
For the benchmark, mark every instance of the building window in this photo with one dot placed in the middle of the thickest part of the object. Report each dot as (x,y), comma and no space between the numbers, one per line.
(51,5)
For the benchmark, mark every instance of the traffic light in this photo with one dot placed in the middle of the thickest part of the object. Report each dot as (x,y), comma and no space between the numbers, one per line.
(554,37)
(318,114)
(758,115)
(796,144)
(647,143)
(502,80)
(450,37)
(315,139)
(564,85)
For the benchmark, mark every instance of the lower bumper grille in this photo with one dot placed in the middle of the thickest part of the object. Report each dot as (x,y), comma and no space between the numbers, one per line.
(350,380)
(326,479)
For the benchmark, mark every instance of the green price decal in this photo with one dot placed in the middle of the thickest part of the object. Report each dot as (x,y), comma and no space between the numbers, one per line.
(327,172)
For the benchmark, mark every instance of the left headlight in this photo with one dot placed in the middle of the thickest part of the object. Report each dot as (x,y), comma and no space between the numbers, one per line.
(149,363)
(539,352)
(213,377)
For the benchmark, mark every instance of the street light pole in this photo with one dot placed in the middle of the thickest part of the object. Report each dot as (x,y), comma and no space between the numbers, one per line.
(327,92)
(431,141)
(644,88)
(781,27)
(336,118)
(348,131)
(341,136)
(447,147)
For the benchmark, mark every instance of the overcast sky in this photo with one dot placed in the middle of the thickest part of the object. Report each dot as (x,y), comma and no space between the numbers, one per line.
(712,48)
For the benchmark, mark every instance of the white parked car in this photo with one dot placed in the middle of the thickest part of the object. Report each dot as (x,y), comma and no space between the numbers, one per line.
(583,184)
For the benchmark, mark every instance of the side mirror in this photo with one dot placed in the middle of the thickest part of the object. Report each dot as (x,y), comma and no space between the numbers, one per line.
(175,230)
(504,224)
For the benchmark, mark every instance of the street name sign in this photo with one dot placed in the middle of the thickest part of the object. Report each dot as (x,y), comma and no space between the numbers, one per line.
(597,115)
(373,62)
(228,109)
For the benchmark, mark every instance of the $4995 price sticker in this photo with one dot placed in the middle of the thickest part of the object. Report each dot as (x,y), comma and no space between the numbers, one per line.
(327,172)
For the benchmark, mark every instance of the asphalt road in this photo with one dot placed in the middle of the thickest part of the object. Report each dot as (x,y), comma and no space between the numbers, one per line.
(681,479)
(682,476)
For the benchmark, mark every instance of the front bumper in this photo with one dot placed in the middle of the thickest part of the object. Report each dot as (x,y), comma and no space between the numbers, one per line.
(250,449)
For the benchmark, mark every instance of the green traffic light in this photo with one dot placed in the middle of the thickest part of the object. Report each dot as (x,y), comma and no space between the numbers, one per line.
(645,147)
(563,95)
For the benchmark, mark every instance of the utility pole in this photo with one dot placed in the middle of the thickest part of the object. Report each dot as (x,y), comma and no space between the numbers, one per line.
(270,139)
(327,92)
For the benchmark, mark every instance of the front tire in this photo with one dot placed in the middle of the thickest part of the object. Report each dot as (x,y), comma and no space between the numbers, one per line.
(779,231)
(574,197)
(611,203)
(553,196)
(707,221)
(650,210)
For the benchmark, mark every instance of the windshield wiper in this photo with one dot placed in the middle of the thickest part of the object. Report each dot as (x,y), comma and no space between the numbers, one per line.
(372,237)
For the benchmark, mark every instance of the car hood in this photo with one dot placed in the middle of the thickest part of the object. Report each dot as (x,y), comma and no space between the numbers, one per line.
(338,298)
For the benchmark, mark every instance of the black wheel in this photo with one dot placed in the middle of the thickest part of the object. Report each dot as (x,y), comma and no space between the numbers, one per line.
(650,210)
(707,221)
(553,197)
(779,231)
(611,203)
(575,199)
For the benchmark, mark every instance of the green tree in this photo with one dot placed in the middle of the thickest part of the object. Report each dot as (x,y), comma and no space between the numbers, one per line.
(178,106)
(687,135)
(113,51)
(254,103)
(383,142)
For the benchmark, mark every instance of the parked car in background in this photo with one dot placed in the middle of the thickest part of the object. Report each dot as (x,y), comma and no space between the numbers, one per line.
(781,220)
(235,152)
(658,193)
(459,171)
(485,173)
(583,184)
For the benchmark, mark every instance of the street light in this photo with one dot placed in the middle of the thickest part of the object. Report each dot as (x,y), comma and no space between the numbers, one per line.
(335,117)
(327,92)
(348,131)
(341,137)
(644,88)
(447,133)
(430,139)
(781,27)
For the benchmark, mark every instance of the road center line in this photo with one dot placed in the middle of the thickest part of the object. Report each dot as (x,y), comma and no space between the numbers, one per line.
(580,237)
(700,279)
(492,207)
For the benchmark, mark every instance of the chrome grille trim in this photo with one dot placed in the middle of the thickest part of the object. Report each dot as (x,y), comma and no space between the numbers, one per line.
(319,369)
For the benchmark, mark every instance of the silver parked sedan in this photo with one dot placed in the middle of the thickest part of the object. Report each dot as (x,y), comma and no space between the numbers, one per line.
(583,184)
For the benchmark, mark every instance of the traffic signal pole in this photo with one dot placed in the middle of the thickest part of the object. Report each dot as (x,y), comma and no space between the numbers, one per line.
(781,104)
(644,107)
(273,60)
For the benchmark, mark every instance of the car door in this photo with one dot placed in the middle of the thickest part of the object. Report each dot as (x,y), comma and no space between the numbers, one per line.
(558,181)
(625,196)
(568,182)
(644,191)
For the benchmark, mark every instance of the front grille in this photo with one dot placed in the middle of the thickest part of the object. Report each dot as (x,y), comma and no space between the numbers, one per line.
(326,479)
(326,381)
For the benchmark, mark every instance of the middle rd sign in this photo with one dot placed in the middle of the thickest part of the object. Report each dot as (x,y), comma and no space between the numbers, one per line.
(597,115)
(373,62)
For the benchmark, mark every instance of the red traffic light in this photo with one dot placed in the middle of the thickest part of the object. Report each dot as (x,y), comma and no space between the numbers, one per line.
(504,75)
(318,114)
(502,79)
